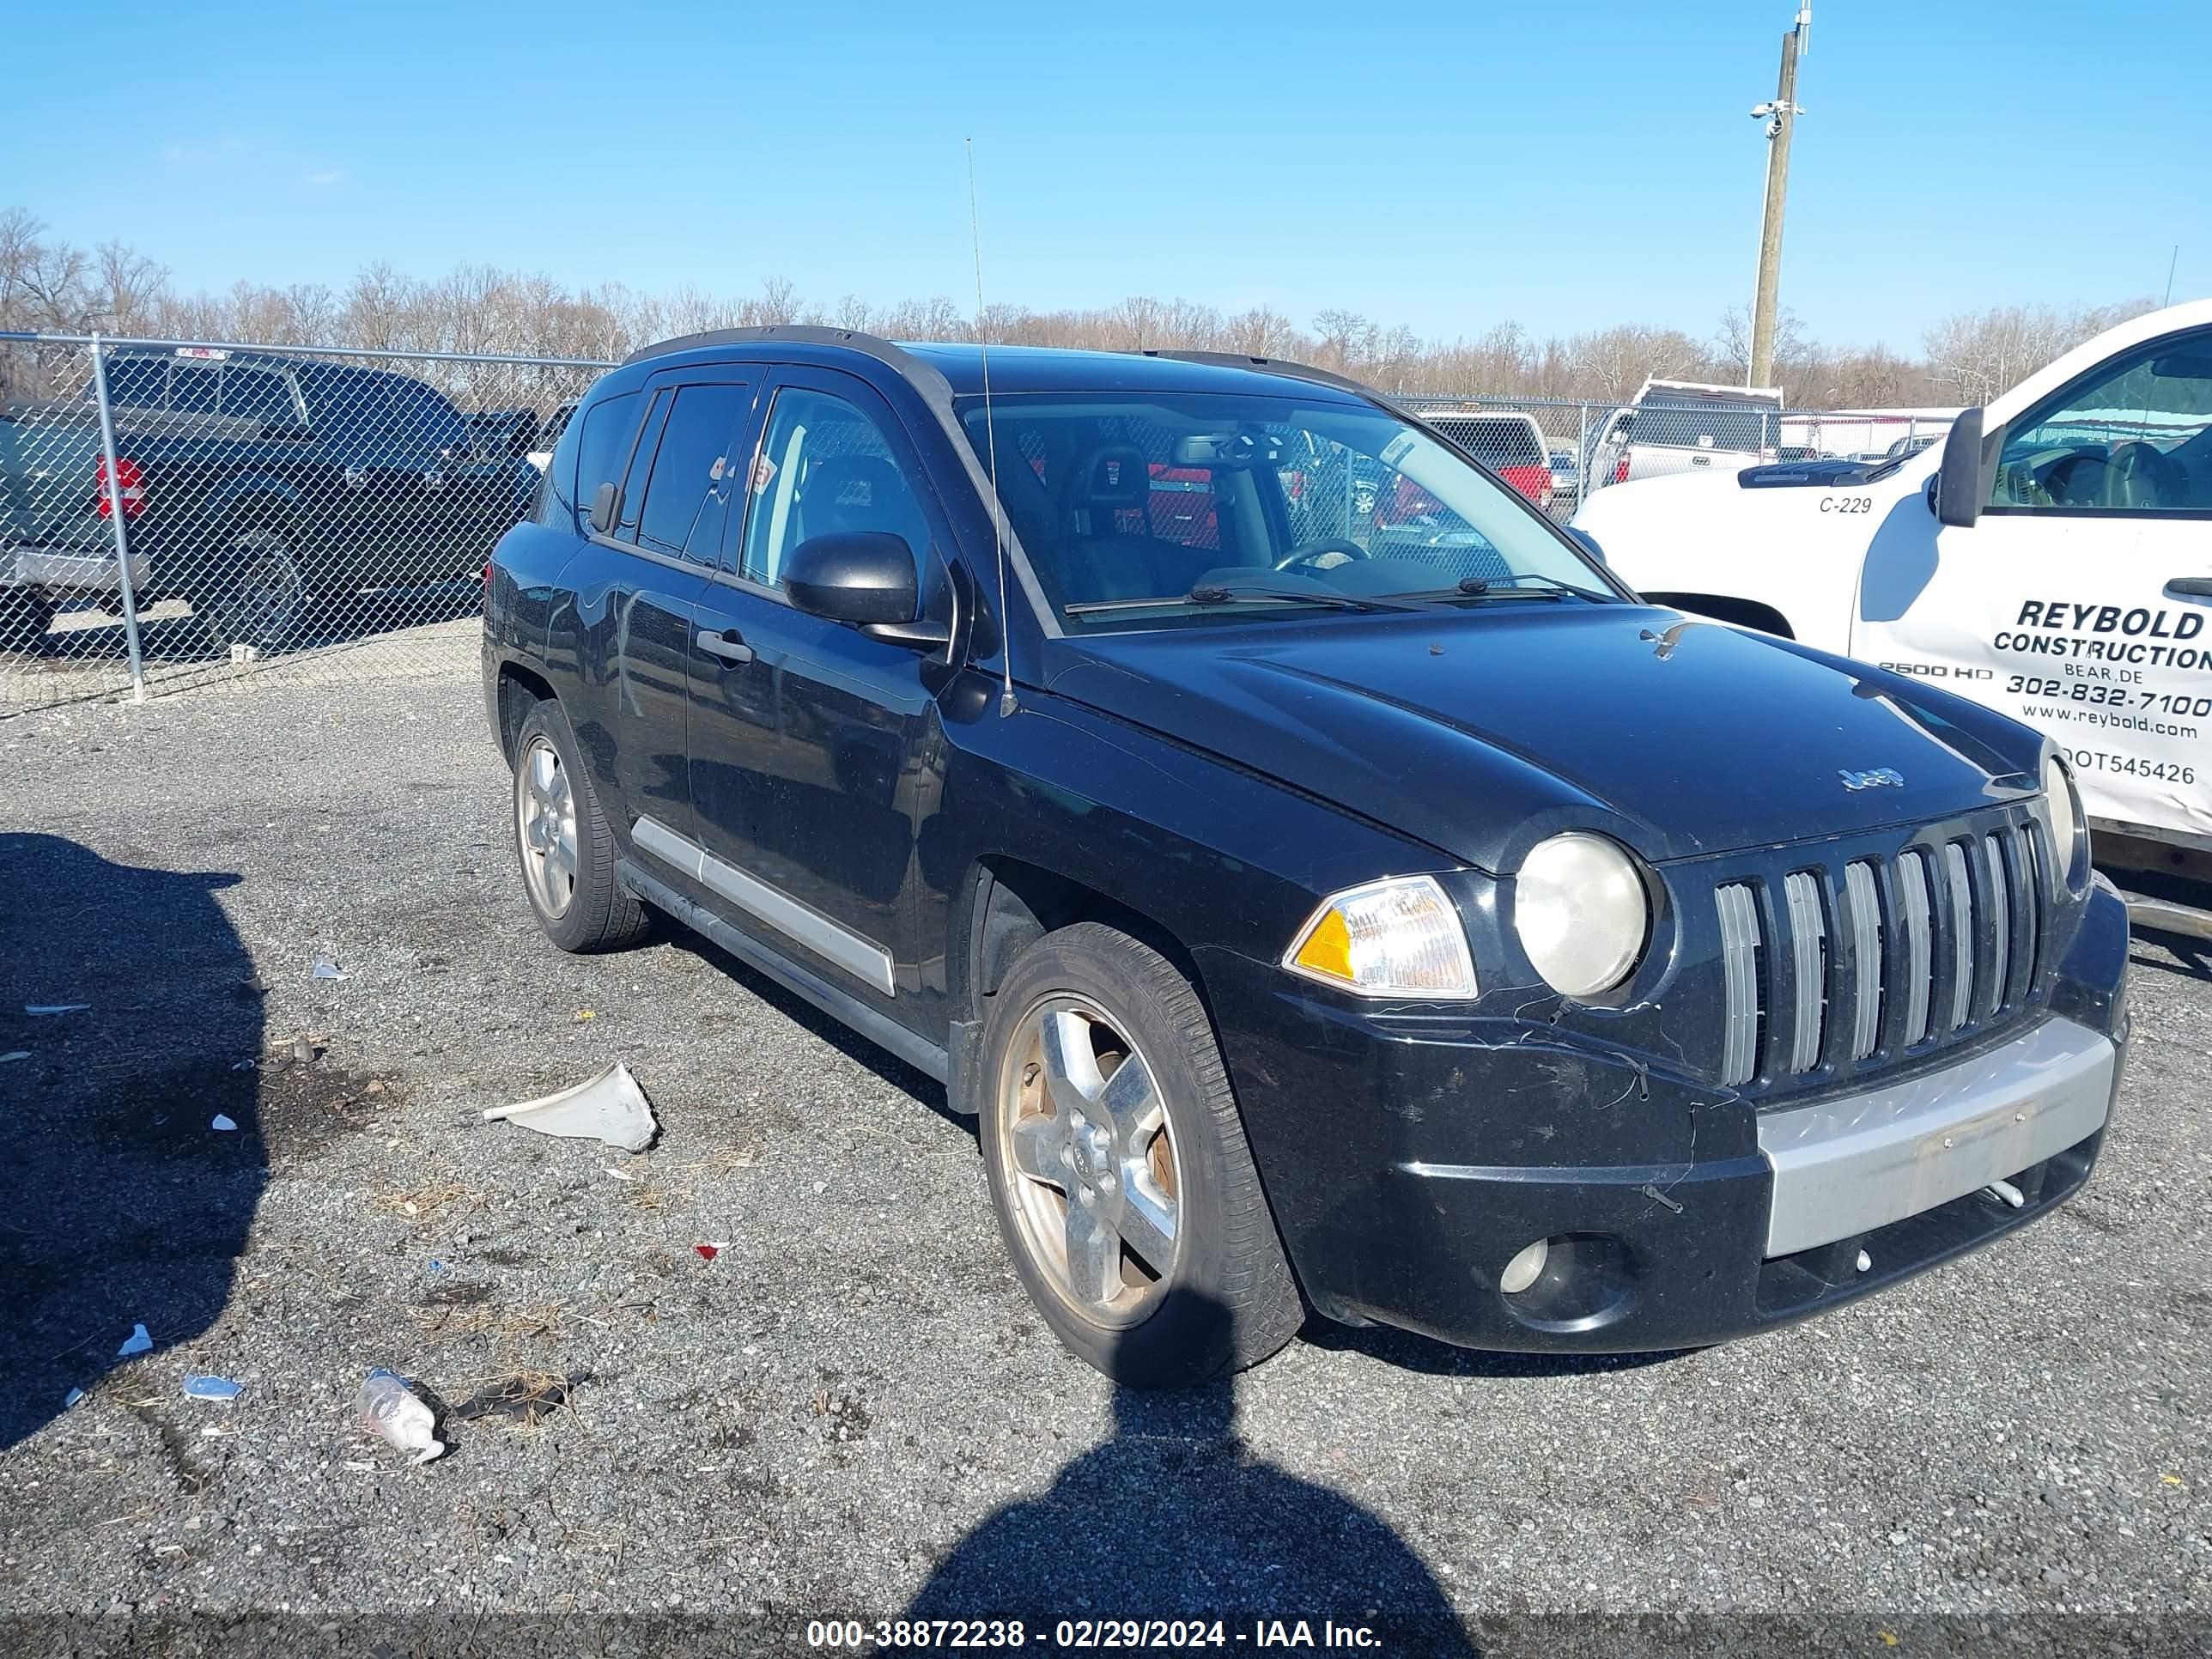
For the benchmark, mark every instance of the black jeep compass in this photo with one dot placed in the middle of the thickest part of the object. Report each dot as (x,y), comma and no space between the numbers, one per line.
(1327,885)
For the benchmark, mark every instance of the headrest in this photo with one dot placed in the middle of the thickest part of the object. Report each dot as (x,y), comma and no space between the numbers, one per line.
(856,485)
(1112,476)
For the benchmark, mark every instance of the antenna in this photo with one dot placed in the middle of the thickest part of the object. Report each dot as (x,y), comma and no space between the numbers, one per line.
(990,449)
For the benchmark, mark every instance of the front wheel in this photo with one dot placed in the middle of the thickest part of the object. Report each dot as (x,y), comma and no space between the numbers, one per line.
(1118,1166)
(256,592)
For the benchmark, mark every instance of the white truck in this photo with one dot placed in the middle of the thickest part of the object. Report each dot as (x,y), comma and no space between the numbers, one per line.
(2052,557)
(1686,426)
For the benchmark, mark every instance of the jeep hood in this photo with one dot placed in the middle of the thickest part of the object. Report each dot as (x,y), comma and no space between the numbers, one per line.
(1476,731)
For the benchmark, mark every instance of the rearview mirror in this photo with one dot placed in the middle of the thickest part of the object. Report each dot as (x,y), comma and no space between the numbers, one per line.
(864,577)
(1962,482)
(606,509)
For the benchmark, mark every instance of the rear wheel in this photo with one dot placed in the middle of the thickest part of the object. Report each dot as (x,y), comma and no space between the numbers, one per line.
(1119,1169)
(565,845)
(257,592)
(26,613)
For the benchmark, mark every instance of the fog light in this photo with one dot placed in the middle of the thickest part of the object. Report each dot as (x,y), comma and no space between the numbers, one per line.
(1525,1268)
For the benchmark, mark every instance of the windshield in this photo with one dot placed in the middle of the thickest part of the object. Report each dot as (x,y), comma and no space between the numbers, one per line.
(1187,499)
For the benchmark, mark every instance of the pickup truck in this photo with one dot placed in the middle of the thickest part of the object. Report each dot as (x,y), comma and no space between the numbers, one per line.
(1399,919)
(1685,426)
(2051,558)
(257,486)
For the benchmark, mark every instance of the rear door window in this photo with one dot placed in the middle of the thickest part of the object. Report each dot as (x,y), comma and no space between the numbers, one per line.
(686,496)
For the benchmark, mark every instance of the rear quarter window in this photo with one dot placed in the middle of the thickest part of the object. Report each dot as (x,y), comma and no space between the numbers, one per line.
(600,450)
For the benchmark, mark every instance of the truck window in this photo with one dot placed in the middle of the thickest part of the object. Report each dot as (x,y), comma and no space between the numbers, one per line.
(2136,435)
(258,394)
(687,493)
(424,421)
(137,382)
(824,467)
(193,387)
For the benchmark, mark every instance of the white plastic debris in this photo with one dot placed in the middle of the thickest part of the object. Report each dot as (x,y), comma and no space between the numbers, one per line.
(211,1388)
(325,968)
(610,1107)
(47,1010)
(390,1406)
(244,1064)
(71,1398)
(620,1175)
(223,1123)
(14,1054)
(137,1342)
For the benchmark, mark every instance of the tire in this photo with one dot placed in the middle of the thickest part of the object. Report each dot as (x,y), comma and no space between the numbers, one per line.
(256,592)
(26,613)
(585,909)
(1065,1160)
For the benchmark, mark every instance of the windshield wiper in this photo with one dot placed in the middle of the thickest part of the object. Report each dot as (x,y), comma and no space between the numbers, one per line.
(1511,587)
(1215,593)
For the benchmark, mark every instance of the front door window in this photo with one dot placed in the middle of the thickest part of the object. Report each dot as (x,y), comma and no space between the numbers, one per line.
(2136,437)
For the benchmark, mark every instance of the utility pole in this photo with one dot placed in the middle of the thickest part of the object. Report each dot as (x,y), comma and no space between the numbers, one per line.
(1781,118)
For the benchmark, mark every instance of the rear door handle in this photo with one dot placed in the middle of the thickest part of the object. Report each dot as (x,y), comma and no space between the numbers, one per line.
(725,645)
(2193,587)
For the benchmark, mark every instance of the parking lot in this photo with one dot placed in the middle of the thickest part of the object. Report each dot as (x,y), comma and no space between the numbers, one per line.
(850,1411)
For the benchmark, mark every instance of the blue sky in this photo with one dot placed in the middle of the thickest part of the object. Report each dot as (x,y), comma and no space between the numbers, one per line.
(1446,165)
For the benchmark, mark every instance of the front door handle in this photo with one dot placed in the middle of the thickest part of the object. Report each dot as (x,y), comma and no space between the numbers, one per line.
(725,644)
(2191,587)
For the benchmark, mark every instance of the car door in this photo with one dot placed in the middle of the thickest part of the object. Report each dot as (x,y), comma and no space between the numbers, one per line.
(807,737)
(672,448)
(2080,600)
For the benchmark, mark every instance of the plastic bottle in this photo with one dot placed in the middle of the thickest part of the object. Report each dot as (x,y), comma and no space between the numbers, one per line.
(390,1406)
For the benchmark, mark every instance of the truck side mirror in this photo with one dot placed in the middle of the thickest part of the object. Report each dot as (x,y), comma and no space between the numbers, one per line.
(1962,482)
(606,507)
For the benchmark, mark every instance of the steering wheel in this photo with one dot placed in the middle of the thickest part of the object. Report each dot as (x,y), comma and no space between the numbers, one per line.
(1309,555)
(2136,475)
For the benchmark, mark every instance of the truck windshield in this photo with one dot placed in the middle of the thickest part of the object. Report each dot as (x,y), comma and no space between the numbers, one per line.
(1179,498)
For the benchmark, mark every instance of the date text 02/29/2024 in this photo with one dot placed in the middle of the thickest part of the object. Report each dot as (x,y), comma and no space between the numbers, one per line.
(1086,1634)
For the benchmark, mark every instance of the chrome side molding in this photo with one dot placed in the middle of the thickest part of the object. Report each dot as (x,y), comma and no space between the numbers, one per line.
(859,956)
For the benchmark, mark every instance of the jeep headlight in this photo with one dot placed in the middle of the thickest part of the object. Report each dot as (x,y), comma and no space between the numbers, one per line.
(2069,828)
(1582,912)
(1400,938)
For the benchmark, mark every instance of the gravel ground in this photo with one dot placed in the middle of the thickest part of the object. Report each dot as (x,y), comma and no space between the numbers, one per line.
(850,1411)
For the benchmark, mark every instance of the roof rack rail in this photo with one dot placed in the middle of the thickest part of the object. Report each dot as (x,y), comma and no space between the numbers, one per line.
(1271,365)
(783,333)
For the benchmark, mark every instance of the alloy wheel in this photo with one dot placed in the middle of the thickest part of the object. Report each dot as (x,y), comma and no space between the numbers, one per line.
(546,828)
(1097,1180)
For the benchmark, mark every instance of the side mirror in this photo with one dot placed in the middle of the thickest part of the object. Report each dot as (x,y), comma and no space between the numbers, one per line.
(864,577)
(606,507)
(1962,482)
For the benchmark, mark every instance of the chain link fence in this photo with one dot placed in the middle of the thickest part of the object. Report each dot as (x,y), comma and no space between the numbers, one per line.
(172,511)
(177,512)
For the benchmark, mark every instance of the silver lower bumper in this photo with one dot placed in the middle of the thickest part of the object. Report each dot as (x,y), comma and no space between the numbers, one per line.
(1848,1166)
(79,569)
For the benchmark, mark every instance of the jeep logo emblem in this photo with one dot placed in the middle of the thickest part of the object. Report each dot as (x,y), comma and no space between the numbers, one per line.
(1883,777)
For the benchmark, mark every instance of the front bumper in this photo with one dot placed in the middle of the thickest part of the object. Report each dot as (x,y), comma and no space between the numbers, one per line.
(1409,1159)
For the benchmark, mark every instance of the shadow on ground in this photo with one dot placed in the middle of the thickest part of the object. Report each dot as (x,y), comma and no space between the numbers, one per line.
(1175,1518)
(119,1204)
